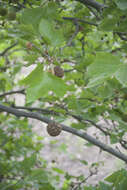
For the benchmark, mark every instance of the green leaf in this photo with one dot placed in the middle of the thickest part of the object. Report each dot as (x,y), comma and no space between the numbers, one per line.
(63,148)
(103,186)
(113,138)
(58,170)
(84,162)
(116,177)
(123,184)
(121,75)
(40,83)
(34,15)
(39,174)
(97,81)
(108,24)
(122,4)
(90,188)
(105,91)
(104,66)
(28,163)
(50,34)
(78,125)
(5,81)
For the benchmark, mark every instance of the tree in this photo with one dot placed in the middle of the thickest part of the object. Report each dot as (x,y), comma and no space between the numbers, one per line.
(77,52)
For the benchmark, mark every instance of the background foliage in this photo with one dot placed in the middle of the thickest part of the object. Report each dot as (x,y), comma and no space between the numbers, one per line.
(88,40)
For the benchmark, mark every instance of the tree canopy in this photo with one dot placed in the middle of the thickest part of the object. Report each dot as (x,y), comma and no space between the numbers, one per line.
(67,58)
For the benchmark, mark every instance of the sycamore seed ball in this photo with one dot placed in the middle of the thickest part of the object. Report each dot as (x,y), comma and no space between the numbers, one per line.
(58,71)
(54,129)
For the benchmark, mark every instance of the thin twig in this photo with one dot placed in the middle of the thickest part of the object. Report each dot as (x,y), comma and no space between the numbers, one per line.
(79,118)
(83,45)
(77,28)
(44,111)
(74,19)
(7,49)
(13,92)
(77,186)
(92,3)
(94,13)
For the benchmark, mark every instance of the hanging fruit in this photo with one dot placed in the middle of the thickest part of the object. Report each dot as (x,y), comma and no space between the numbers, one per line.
(54,129)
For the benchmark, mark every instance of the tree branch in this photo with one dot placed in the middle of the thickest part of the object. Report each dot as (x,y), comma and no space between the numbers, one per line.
(13,92)
(74,19)
(94,12)
(7,49)
(77,28)
(92,3)
(77,117)
(65,128)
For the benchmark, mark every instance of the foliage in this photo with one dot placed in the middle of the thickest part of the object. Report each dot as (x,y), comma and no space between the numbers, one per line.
(89,42)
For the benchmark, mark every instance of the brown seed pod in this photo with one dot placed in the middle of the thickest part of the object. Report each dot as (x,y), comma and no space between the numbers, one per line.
(54,129)
(58,71)
(29,45)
